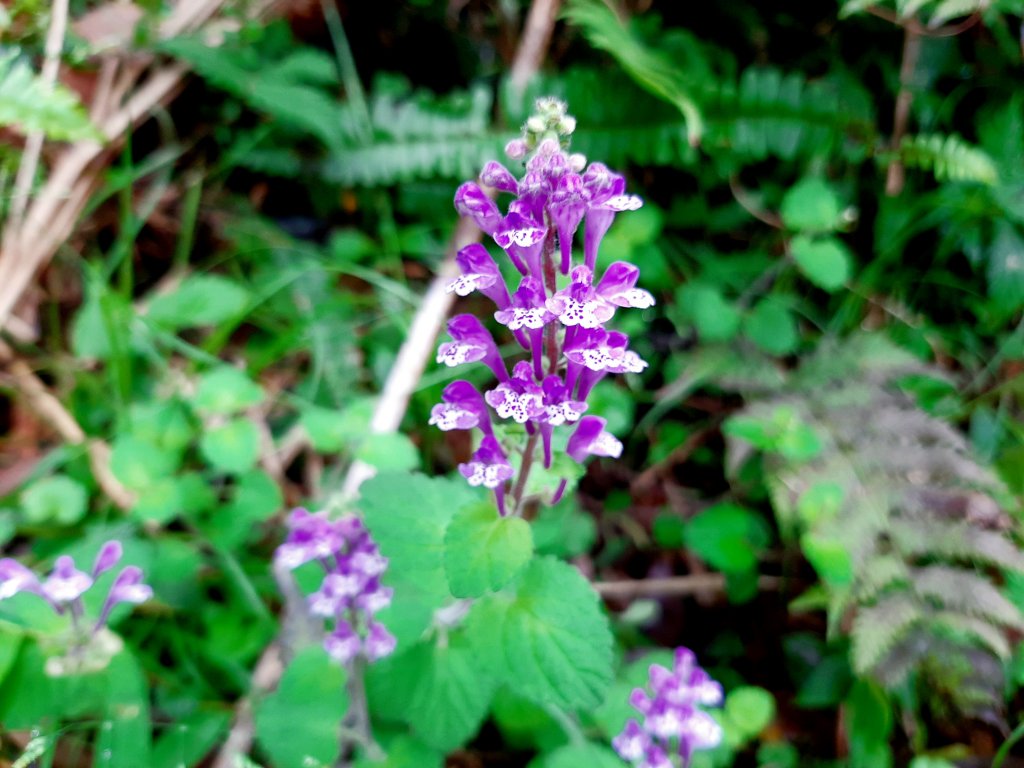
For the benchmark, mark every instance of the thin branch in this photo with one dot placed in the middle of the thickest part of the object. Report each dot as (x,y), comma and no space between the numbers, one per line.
(674,586)
(895,176)
(742,196)
(50,410)
(34,144)
(534,41)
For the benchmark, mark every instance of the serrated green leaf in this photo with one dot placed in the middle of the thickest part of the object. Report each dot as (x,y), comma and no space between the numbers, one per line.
(139,464)
(227,390)
(546,637)
(826,261)
(232,447)
(36,106)
(436,687)
(301,720)
(199,300)
(484,551)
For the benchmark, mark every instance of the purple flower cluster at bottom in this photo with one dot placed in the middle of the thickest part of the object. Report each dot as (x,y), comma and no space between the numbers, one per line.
(64,587)
(351,592)
(673,721)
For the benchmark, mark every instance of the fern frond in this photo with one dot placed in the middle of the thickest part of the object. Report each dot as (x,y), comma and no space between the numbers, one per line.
(34,106)
(949,158)
(880,573)
(958,625)
(877,628)
(648,66)
(957,541)
(965,592)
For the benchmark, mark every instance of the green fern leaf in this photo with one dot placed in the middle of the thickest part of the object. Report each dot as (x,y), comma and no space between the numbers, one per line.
(949,158)
(965,592)
(34,106)
(878,628)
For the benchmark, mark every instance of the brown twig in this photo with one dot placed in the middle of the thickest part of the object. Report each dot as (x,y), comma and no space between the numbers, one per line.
(673,586)
(895,176)
(50,410)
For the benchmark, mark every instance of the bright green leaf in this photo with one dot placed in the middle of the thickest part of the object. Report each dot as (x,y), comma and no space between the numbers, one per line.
(483,551)
(232,447)
(771,327)
(199,300)
(389,452)
(59,499)
(140,464)
(703,305)
(227,390)
(826,262)
(300,721)
(750,709)
(810,206)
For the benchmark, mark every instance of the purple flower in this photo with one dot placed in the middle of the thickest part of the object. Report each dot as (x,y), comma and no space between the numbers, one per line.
(463,407)
(579,304)
(342,644)
(528,311)
(672,720)
(559,408)
(470,200)
(108,556)
(15,578)
(606,199)
(522,239)
(590,439)
(479,273)
(569,202)
(489,466)
(127,588)
(497,175)
(471,342)
(379,642)
(519,398)
(618,286)
(66,583)
(310,537)
(593,353)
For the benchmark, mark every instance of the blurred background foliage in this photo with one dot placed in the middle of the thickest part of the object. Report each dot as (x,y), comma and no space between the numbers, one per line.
(834,230)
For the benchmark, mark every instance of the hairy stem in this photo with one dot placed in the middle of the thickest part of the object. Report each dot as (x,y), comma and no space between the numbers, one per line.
(524,473)
(355,731)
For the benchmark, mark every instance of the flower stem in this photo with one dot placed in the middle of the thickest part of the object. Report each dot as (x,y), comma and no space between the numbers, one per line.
(355,731)
(524,473)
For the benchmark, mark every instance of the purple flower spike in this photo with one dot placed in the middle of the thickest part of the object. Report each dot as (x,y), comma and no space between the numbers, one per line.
(479,273)
(15,578)
(127,588)
(559,408)
(463,408)
(471,342)
(671,716)
(519,398)
(590,439)
(310,537)
(607,198)
(489,467)
(66,583)
(343,644)
(379,642)
(497,175)
(579,304)
(569,203)
(522,238)
(472,201)
(109,556)
(618,286)
(595,353)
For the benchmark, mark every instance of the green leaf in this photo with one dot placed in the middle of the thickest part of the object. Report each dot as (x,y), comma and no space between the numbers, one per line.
(1006,270)
(728,537)
(524,724)
(190,739)
(36,106)
(139,464)
(389,452)
(437,687)
(124,735)
(227,390)
(199,300)
(669,531)
(750,709)
(163,423)
(578,756)
(703,305)
(868,726)
(331,430)
(59,499)
(821,502)
(771,326)
(830,558)
(402,751)
(160,502)
(301,720)
(484,551)
(546,637)
(826,262)
(827,683)
(232,447)
(811,206)
(563,530)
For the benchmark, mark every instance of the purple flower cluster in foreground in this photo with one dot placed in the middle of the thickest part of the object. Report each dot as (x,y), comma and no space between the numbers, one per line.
(672,721)
(64,587)
(558,321)
(351,592)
